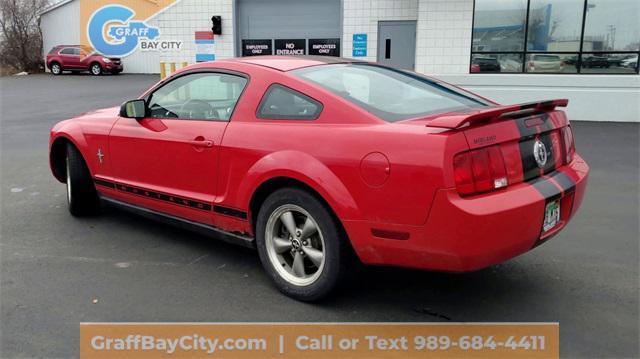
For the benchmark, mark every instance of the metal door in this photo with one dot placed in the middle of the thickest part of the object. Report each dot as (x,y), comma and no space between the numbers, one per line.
(397,43)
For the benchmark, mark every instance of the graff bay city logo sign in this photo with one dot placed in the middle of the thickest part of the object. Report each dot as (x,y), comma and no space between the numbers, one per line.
(116,29)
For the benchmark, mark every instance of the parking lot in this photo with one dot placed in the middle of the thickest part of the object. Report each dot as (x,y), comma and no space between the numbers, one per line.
(57,271)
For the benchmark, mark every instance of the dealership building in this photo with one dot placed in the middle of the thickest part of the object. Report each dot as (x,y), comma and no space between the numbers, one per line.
(508,50)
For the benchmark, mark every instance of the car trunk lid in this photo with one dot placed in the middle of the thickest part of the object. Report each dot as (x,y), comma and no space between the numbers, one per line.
(530,138)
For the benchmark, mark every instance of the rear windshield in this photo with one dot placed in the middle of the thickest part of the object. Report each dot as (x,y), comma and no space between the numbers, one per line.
(546,58)
(392,95)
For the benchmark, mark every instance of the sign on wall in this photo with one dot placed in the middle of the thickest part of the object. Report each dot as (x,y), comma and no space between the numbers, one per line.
(119,28)
(290,47)
(256,47)
(324,47)
(359,45)
(205,46)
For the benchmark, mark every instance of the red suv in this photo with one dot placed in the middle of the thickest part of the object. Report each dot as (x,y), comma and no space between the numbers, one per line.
(76,58)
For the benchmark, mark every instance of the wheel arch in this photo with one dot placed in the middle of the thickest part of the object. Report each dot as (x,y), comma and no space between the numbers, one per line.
(281,182)
(58,154)
(297,169)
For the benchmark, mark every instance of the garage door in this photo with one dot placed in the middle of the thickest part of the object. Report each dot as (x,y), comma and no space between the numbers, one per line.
(289,27)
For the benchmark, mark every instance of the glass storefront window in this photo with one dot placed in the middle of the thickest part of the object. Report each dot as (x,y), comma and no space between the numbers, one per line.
(612,25)
(609,63)
(556,36)
(496,63)
(499,25)
(552,63)
(555,25)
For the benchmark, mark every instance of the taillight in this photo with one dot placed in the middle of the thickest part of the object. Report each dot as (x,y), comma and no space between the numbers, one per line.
(569,144)
(479,170)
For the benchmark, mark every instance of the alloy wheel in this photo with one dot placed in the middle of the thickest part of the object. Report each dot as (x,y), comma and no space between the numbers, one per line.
(55,68)
(95,69)
(295,245)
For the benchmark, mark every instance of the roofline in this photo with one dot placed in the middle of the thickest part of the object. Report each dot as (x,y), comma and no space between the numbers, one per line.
(321,60)
(54,6)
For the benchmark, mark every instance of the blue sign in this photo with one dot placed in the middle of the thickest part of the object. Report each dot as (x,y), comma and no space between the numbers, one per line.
(126,36)
(359,45)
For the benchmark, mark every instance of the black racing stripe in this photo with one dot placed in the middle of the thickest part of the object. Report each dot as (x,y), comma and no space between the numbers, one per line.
(530,169)
(104,183)
(564,181)
(526,131)
(142,192)
(546,188)
(230,212)
(551,162)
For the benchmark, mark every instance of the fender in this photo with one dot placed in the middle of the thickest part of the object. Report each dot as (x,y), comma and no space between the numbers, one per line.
(306,169)
(71,132)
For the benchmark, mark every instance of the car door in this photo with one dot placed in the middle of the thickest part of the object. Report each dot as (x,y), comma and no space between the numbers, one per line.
(70,57)
(168,160)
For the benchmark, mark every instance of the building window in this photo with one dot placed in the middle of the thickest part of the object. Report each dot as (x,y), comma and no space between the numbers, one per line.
(555,36)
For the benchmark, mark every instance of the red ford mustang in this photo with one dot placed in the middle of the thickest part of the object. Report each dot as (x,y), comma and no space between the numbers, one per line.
(319,161)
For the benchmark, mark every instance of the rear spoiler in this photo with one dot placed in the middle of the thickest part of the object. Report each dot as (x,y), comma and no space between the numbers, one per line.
(457,120)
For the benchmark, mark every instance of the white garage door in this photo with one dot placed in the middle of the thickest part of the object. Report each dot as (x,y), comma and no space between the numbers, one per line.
(262,22)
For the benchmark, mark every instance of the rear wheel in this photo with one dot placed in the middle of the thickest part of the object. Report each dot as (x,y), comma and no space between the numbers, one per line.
(82,198)
(55,68)
(300,244)
(95,69)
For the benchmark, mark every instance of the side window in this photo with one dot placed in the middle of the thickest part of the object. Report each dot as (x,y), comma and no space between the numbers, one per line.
(283,103)
(76,51)
(67,51)
(199,96)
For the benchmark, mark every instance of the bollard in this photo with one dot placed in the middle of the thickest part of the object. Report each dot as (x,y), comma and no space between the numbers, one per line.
(163,70)
(172,68)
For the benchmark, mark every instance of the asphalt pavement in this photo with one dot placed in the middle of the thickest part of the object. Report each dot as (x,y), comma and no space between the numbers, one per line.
(57,271)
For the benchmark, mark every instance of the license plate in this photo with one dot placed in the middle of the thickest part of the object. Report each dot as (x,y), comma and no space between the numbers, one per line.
(551,215)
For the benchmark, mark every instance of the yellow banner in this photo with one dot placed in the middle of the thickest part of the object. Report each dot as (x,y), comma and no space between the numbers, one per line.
(319,340)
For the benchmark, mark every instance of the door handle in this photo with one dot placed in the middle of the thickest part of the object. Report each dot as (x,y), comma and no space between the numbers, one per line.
(201,143)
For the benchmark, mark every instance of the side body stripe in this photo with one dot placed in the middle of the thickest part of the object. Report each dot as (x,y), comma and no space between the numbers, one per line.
(173,199)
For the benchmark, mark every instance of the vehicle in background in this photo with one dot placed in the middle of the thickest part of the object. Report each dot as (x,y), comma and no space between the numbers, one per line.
(486,64)
(545,63)
(615,61)
(595,61)
(475,68)
(571,60)
(77,58)
(631,62)
(510,64)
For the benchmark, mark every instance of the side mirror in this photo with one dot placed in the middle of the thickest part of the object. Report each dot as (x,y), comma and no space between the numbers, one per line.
(134,109)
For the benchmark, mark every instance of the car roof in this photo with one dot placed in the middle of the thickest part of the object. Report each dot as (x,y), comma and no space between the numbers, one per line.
(287,63)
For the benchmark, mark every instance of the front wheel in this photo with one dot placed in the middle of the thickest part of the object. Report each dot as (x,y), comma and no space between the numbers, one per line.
(55,68)
(82,197)
(96,69)
(301,245)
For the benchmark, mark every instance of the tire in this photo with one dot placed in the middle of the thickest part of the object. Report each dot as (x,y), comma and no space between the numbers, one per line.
(281,255)
(95,69)
(56,68)
(82,198)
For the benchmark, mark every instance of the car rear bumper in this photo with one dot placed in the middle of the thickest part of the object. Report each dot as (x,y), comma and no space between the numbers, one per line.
(467,234)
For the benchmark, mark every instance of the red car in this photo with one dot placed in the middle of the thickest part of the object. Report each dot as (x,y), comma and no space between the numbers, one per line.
(321,161)
(76,58)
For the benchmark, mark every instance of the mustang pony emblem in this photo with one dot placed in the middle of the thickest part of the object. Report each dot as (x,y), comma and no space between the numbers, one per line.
(100,155)
(540,153)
